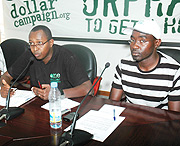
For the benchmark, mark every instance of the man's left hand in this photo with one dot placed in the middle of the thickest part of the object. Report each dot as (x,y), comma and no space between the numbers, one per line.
(42,93)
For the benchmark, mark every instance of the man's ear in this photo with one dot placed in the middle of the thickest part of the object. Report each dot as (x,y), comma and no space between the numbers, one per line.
(51,42)
(157,43)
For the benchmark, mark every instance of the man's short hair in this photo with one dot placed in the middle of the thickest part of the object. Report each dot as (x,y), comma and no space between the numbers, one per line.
(45,29)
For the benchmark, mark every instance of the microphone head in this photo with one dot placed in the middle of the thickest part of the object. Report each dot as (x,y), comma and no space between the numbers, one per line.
(107,65)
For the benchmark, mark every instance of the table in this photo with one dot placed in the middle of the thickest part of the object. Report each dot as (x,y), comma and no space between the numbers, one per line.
(143,126)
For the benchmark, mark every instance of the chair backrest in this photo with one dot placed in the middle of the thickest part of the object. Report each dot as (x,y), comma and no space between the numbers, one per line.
(12,49)
(174,53)
(86,57)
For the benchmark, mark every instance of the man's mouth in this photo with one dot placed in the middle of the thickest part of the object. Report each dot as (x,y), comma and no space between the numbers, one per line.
(37,55)
(135,53)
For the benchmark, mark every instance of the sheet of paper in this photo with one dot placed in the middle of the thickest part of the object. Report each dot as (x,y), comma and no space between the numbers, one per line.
(66,103)
(109,109)
(20,97)
(100,124)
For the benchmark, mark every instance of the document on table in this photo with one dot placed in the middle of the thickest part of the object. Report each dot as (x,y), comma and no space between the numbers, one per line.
(66,103)
(107,108)
(100,123)
(19,98)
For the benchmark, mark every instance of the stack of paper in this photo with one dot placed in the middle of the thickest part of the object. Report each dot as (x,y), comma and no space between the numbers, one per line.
(19,98)
(65,104)
(100,123)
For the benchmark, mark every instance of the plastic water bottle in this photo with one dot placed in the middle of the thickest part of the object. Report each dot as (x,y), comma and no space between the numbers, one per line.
(55,106)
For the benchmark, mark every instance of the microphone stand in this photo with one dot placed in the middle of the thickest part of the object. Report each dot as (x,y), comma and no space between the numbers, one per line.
(12,112)
(75,137)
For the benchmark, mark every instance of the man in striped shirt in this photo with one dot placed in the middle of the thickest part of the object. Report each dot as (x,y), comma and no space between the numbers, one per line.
(147,77)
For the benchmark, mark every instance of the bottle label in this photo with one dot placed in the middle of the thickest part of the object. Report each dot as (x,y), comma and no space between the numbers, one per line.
(55,117)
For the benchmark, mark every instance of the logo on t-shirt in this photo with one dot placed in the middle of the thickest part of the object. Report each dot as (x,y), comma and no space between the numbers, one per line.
(55,77)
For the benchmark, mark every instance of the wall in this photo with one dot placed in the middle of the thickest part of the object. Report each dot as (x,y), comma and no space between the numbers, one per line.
(92,19)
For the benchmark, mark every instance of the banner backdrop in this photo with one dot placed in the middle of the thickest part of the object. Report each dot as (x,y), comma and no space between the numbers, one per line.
(98,19)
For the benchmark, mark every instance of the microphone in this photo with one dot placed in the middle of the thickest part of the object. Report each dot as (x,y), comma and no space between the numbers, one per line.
(12,112)
(77,136)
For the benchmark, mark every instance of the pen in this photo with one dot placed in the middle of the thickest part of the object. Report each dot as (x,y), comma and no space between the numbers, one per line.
(114,115)
(13,89)
(39,84)
(65,111)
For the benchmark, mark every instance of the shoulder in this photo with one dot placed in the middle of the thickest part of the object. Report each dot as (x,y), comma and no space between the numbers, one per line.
(1,51)
(1,54)
(127,61)
(62,50)
(170,64)
(63,54)
(167,59)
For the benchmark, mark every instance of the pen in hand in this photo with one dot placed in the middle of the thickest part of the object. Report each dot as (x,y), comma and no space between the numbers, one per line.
(114,117)
(39,84)
(13,90)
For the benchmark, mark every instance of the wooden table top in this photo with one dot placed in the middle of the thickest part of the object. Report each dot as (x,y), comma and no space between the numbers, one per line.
(142,126)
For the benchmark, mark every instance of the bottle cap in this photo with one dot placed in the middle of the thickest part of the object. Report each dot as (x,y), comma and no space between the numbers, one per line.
(54,84)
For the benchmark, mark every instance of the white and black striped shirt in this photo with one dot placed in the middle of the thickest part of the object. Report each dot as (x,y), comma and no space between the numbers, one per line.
(153,88)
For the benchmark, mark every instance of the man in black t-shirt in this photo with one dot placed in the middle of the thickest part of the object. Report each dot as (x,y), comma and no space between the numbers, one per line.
(52,62)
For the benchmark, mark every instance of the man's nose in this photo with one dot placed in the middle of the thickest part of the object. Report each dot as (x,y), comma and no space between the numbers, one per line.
(136,44)
(36,48)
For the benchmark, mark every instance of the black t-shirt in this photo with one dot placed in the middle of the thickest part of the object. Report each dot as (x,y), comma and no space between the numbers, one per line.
(63,66)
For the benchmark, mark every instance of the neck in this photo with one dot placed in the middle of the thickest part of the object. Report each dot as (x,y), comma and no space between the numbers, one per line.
(48,56)
(149,63)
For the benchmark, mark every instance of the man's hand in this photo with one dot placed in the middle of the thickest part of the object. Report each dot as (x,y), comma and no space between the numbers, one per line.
(42,93)
(5,88)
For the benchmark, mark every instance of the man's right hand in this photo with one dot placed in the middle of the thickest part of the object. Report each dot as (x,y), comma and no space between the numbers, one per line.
(42,93)
(5,88)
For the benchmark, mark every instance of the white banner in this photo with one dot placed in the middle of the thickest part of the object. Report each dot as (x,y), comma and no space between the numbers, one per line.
(98,19)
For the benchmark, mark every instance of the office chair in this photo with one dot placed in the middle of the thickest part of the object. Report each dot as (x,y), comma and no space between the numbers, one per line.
(12,49)
(88,60)
(174,53)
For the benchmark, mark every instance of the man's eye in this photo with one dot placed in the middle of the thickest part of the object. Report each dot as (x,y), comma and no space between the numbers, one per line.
(143,41)
(39,43)
(30,43)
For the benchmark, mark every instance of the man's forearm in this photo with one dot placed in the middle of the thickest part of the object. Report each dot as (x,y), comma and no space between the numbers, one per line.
(174,106)
(78,91)
(116,94)
(7,77)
